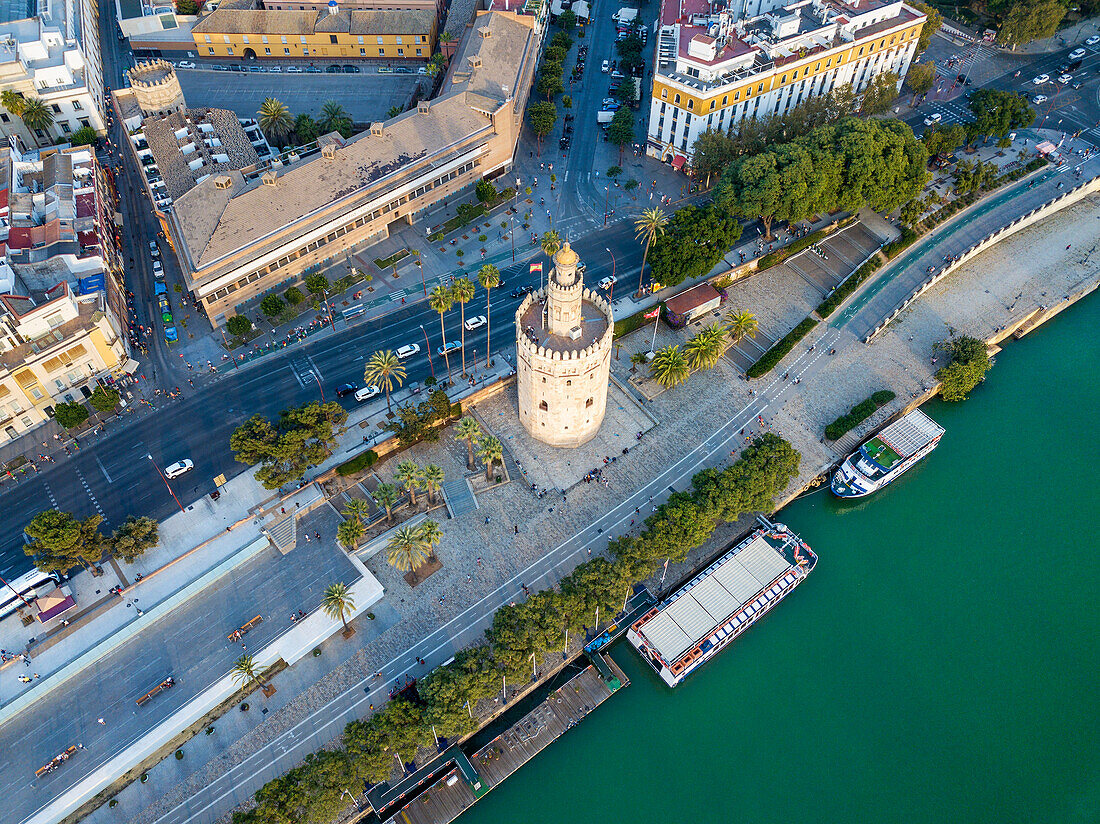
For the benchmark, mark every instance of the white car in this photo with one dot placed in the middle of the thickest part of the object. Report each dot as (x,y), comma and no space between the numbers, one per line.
(158,269)
(186,64)
(475,323)
(408,350)
(933,119)
(1039,98)
(1065,79)
(1092,41)
(178,468)
(1041,79)
(451,347)
(606,67)
(1077,54)
(366,393)
(607,283)
(293,69)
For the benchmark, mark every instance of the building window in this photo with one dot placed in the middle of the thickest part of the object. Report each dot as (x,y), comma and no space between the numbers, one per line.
(725,99)
(77,106)
(588,403)
(419,52)
(267,49)
(399,39)
(303,39)
(542,404)
(226,38)
(664,94)
(691,104)
(56,108)
(382,52)
(286,51)
(263,38)
(85,123)
(65,128)
(284,38)
(676,100)
(244,38)
(210,49)
(332,38)
(380,41)
(783,79)
(208,40)
(229,50)
(3,118)
(401,52)
(362,52)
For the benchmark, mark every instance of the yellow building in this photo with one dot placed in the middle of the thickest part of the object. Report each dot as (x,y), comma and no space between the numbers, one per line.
(259,33)
(53,349)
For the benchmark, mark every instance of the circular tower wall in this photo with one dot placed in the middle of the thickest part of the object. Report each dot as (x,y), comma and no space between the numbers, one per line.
(156,88)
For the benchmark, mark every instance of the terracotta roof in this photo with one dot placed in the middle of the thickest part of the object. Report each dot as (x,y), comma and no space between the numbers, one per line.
(693,298)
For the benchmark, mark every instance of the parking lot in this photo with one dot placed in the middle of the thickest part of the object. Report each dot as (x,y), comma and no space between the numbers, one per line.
(365,96)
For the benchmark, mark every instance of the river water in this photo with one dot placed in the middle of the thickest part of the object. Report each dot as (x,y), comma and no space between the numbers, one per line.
(941,664)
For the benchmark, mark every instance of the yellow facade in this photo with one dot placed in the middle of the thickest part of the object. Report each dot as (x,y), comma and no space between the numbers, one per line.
(412,46)
(795,71)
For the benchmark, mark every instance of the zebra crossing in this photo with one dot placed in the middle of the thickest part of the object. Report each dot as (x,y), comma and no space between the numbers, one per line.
(305,371)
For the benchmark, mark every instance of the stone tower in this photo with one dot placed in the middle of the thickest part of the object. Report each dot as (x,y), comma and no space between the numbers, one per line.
(156,88)
(563,356)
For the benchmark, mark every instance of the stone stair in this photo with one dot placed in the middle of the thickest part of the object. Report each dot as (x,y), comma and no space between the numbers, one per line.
(459,497)
(283,534)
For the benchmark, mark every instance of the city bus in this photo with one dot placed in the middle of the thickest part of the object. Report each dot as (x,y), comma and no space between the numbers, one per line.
(29,586)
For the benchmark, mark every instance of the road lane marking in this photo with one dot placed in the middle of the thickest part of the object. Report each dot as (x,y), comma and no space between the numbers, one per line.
(103,469)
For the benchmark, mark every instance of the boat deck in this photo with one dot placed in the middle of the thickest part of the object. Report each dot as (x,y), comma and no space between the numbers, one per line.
(563,709)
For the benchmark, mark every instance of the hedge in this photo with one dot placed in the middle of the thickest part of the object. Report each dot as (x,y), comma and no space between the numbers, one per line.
(624,326)
(784,252)
(841,293)
(364,460)
(895,248)
(860,412)
(770,358)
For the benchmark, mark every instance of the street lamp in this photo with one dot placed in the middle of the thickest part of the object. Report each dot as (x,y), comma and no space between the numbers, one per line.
(353,797)
(611,293)
(428,343)
(165,479)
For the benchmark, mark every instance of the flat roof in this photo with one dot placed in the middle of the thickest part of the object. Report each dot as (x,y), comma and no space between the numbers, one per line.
(289,21)
(711,601)
(692,298)
(912,432)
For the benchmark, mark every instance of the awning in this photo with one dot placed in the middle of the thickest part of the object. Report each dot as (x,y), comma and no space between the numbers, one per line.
(130,367)
(678,162)
(1046,147)
(53,604)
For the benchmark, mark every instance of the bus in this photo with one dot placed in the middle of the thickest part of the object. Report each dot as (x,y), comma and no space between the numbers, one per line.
(29,586)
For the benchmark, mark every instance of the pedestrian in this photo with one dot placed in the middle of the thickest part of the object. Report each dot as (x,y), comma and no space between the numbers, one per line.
(317,535)
(307,538)
(37,676)
(516,527)
(101,722)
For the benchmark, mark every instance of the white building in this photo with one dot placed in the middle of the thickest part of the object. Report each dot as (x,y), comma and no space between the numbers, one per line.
(716,67)
(54,57)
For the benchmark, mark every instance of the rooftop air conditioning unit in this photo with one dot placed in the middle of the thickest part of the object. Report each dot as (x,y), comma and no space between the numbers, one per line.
(223,182)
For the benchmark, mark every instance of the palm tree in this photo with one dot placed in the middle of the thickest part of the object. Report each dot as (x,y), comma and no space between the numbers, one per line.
(430,535)
(384,369)
(705,349)
(406,551)
(245,670)
(332,116)
(432,480)
(462,290)
(357,510)
(741,324)
(338,602)
(350,533)
(408,475)
(550,242)
(669,367)
(13,101)
(441,300)
(37,116)
(469,431)
(488,277)
(651,224)
(490,450)
(275,119)
(636,360)
(386,496)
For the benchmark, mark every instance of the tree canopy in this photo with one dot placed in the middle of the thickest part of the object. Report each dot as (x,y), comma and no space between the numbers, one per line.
(996,112)
(302,437)
(968,361)
(1029,20)
(135,536)
(692,243)
(60,541)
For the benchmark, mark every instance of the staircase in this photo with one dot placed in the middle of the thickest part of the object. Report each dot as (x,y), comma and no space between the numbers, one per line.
(283,534)
(459,497)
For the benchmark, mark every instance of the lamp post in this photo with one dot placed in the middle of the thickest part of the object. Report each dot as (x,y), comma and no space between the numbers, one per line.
(165,479)
(611,292)
(428,343)
(352,796)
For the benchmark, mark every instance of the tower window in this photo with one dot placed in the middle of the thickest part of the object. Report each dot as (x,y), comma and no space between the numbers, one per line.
(543,406)
(587,403)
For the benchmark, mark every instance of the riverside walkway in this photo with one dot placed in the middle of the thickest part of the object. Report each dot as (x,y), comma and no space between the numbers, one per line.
(457,790)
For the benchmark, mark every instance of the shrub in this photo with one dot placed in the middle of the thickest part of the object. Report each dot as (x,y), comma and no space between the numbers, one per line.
(772,357)
(272,305)
(103,399)
(293,296)
(966,368)
(238,325)
(364,460)
(883,397)
(113,802)
(84,136)
(860,412)
(70,414)
(847,286)
(895,248)
(624,326)
(179,755)
(316,652)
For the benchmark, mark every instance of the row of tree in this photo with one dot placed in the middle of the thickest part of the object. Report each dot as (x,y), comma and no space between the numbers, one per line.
(672,365)
(61,541)
(520,639)
(280,126)
(302,437)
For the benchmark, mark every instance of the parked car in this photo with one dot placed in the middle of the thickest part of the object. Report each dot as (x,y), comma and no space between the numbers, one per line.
(1092,41)
(475,323)
(618,75)
(520,291)
(345,389)
(1077,54)
(451,347)
(605,67)
(366,393)
(933,119)
(293,69)
(313,70)
(1065,79)
(276,69)
(408,350)
(220,68)
(178,468)
(1039,98)
(1041,79)
(401,70)
(170,334)
(154,248)
(332,69)
(186,64)
(350,69)
(158,270)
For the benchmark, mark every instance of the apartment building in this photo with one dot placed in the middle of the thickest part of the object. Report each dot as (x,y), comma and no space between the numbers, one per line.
(246,232)
(715,69)
(251,33)
(54,57)
(55,346)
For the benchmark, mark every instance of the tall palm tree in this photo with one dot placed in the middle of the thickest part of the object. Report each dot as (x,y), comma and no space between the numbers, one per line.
(741,324)
(441,300)
(406,550)
(550,242)
(37,116)
(488,277)
(13,101)
(432,479)
(490,450)
(350,533)
(245,670)
(332,116)
(669,367)
(470,432)
(386,496)
(705,349)
(649,226)
(338,602)
(430,535)
(357,510)
(275,119)
(408,476)
(384,369)
(462,290)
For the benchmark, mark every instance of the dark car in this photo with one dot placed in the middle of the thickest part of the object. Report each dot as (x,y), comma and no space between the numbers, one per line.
(350,69)
(520,291)
(345,389)
(332,69)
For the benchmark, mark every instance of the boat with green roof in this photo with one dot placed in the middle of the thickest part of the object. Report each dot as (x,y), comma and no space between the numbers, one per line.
(887,455)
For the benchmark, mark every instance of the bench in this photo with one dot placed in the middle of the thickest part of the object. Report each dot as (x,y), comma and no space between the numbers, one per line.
(163,685)
(236,635)
(55,763)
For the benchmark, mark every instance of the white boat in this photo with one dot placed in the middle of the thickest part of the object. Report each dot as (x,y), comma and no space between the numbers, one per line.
(887,455)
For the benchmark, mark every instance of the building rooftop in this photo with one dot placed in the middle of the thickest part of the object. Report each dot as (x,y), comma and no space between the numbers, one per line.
(275,21)
(692,298)
(17,10)
(593,326)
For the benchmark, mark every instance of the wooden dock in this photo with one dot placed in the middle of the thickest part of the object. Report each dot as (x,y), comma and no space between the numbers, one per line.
(563,708)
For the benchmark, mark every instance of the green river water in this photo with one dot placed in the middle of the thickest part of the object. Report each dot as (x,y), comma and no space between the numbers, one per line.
(941,664)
